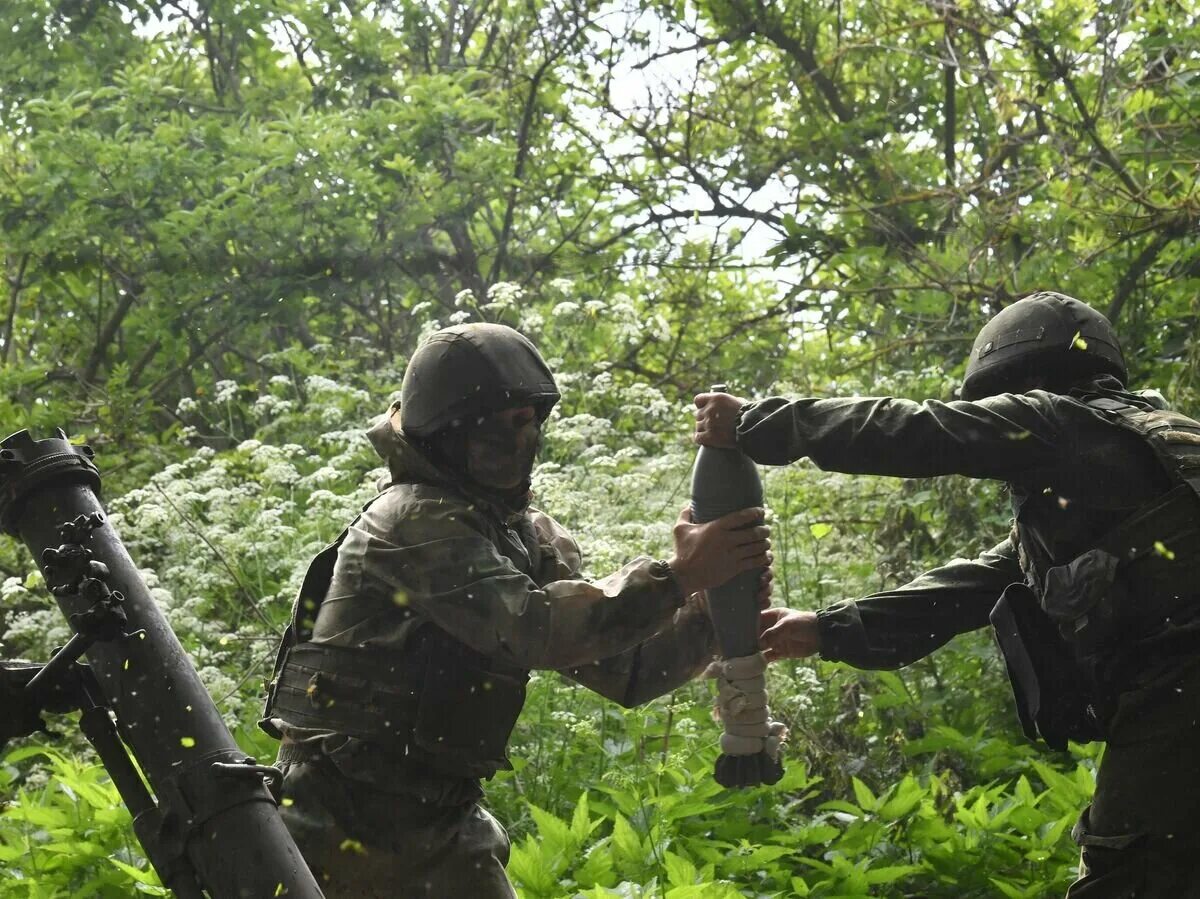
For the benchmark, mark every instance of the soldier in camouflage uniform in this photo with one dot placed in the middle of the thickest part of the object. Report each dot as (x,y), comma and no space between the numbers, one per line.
(1098,585)
(404,668)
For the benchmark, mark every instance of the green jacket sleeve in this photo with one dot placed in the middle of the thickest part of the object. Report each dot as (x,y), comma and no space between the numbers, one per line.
(896,627)
(1000,437)
(437,559)
(656,666)
(653,668)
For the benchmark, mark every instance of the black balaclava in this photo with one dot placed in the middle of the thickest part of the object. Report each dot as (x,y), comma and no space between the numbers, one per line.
(448,449)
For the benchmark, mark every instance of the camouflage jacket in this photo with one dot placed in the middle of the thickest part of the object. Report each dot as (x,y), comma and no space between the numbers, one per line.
(507,586)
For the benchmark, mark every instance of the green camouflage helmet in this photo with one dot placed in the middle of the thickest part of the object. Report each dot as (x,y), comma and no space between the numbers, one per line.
(470,370)
(1045,333)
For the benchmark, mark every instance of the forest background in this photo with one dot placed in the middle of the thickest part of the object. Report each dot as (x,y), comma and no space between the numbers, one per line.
(225,225)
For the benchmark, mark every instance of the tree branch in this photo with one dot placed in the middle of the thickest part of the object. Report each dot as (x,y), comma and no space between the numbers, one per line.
(523,146)
(702,43)
(16,285)
(132,291)
(1141,264)
(658,218)
(772,29)
(1063,72)
(950,123)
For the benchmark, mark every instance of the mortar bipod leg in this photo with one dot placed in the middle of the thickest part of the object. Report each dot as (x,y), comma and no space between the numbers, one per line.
(173,867)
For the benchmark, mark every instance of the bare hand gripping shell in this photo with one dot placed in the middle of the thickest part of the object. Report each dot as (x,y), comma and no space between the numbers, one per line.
(724,481)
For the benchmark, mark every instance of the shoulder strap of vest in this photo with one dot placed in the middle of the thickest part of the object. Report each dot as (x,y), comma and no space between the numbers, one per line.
(1174,437)
(1173,517)
(312,593)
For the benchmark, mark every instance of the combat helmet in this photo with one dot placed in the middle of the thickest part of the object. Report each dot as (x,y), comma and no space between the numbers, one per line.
(470,370)
(1045,333)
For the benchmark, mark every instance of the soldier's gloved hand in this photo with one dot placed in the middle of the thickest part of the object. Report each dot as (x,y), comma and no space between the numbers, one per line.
(708,555)
(716,419)
(788,634)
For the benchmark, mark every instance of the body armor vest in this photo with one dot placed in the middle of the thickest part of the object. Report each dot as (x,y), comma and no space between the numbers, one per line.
(1062,633)
(435,700)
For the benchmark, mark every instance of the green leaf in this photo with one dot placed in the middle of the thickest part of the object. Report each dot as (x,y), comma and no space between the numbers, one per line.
(891,873)
(146,877)
(819,833)
(1011,890)
(581,823)
(554,833)
(628,849)
(840,805)
(680,871)
(598,867)
(1141,100)
(26,752)
(901,799)
(530,867)
(862,793)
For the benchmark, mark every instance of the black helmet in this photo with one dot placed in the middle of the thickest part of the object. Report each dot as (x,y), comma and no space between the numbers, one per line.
(470,370)
(1045,333)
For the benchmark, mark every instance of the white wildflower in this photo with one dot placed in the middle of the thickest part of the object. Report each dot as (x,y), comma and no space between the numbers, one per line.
(504,295)
(531,320)
(322,475)
(12,588)
(264,406)
(280,473)
(224,391)
(320,499)
(319,384)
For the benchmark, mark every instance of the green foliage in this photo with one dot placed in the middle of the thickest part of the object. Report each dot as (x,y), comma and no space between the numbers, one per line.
(224,227)
(678,832)
(65,832)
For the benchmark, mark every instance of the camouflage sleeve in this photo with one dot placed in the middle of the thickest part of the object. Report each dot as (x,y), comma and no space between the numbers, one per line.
(669,659)
(561,557)
(438,559)
(654,667)
(896,627)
